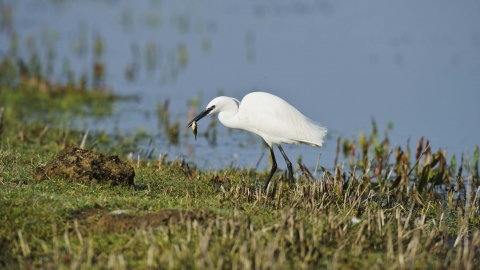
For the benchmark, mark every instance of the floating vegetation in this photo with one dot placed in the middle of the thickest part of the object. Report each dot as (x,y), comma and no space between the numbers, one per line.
(183,55)
(153,20)
(152,57)
(99,69)
(34,96)
(181,21)
(79,43)
(171,130)
(29,86)
(6,17)
(206,44)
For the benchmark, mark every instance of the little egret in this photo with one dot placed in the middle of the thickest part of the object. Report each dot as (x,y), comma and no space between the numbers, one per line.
(271,118)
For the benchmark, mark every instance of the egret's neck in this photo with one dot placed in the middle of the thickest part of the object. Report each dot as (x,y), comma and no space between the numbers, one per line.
(229,117)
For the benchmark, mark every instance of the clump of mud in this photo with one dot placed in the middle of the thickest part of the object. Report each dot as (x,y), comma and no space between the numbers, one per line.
(126,222)
(87,166)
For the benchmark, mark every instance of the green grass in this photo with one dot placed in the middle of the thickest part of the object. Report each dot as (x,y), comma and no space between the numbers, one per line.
(342,220)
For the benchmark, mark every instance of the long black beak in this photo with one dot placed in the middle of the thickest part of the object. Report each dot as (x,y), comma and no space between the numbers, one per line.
(200,116)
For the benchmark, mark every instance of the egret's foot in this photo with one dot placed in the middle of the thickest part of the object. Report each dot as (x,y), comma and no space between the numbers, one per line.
(289,165)
(265,187)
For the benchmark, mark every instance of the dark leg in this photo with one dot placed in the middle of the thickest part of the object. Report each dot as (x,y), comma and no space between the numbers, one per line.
(289,164)
(272,171)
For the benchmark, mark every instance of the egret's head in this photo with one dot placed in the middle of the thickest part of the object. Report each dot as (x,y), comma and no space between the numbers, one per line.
(217,105)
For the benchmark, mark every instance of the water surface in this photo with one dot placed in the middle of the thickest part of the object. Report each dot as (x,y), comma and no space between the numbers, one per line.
(414,63)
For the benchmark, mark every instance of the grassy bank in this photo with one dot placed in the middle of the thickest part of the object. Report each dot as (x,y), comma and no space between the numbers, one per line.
(378,216)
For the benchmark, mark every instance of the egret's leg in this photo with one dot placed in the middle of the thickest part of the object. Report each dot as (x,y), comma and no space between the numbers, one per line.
(289,164)
(272,171)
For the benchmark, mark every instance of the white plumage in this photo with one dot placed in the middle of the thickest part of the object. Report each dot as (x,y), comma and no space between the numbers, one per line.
(270,117)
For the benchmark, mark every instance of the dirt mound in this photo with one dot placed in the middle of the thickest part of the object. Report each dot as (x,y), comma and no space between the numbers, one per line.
(88,166)
(125,222)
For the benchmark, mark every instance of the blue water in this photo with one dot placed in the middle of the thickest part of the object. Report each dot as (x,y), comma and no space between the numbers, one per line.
(414,63)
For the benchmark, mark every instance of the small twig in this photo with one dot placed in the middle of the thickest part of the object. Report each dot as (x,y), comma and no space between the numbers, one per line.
(427,148)
(377,169)
(2,109)
(260,159)
(306,172)
(44,131)
(316,165)
(148,147)
(84,139)
(337,152)
(139,152)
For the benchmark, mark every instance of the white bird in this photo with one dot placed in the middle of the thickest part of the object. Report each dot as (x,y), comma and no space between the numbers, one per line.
(271,118)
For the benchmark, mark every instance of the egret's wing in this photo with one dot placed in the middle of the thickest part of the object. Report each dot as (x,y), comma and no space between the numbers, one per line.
(279,120)
(263,120)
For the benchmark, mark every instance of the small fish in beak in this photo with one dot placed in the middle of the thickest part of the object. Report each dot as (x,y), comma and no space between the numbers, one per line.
(194,129)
